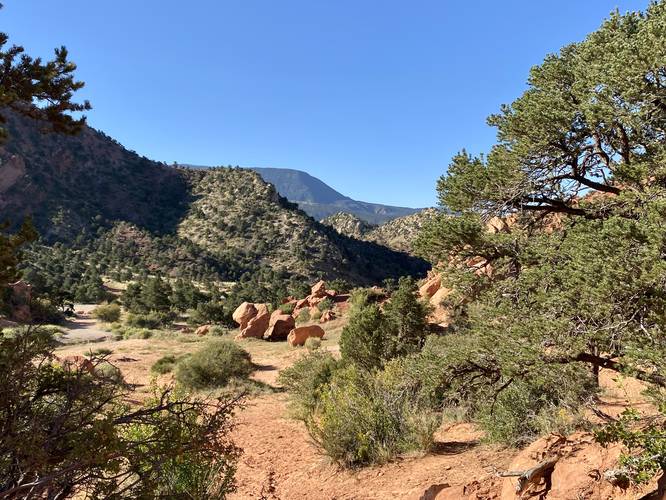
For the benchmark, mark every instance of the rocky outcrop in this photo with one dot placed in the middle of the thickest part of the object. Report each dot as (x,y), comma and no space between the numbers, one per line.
(299,335)
(258,324)
(279,326)
(573,467)
(430,286)
(244,313)
(318,290)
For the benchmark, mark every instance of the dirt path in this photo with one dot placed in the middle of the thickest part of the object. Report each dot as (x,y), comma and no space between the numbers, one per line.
(83,327)
(279,461)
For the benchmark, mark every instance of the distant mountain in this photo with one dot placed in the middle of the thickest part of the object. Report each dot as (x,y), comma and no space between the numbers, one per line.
(319,200)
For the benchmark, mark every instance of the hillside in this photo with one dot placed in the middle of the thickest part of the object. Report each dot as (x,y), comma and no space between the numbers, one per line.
(398,234)
(117,207)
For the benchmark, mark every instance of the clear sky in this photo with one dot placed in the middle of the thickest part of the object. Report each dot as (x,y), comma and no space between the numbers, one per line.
(371,96)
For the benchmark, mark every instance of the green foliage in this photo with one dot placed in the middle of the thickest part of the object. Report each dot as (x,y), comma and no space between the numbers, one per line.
(124,332)
(303,316)
(217,331)
(404,320)
(338,284)
(186,295)
(11,255)
(305,381)
(312,343)
(287,308)
(366,418)
(646,444)
(325,304)
(373,336)
(151,321)
(211,312)
(40,90)
(362,341)
(574,278)
(52,412)
(109,313)
(214,365)
(165,364)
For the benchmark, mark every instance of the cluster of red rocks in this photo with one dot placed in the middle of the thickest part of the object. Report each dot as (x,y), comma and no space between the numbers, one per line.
(255,320)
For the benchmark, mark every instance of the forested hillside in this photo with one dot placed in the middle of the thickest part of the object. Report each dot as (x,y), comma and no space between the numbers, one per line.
(111,206)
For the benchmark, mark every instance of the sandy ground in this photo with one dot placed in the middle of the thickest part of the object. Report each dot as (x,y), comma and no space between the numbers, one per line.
(279,461)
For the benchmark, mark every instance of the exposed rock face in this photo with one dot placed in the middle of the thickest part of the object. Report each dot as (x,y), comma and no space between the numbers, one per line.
(318,290)
(577,473)
(431,285)
(244,313)
(299,335)
(279,326)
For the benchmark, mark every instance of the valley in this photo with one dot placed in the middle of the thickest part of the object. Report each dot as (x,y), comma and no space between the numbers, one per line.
(176,331)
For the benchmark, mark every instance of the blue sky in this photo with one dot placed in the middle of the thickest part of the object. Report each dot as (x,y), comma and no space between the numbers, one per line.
(371,96)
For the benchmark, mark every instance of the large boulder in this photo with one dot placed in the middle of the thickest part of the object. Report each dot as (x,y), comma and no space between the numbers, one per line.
(318,289)
(299,335)
(279,326)
(257,325)
(431,286)
(243,314)
(440,314)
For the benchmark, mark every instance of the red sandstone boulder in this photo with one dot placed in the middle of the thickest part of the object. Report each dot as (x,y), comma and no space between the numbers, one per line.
(431,286)
(314,301)
(203,330)
(327,316)
(244,313)
(299,335)
(318,289)
(257,325)
(279,326)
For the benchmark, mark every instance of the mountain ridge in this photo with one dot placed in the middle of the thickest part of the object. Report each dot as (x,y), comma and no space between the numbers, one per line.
(319,200)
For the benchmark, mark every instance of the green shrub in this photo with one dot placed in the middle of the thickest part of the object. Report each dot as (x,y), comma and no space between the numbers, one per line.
(102,351)
(165,364)
(362,340)
(210,312)
(303,316)
(527,410)
(152,320)
(312,343)
(217,331)
(339,285)
(214,365)
(305,380)
(325,304)
(109,313)
(316,314)
(287,308)
(110,372)
(365,419)
(123,332)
